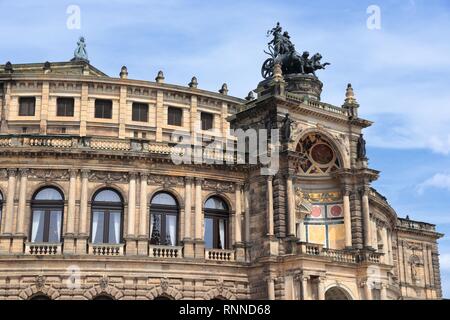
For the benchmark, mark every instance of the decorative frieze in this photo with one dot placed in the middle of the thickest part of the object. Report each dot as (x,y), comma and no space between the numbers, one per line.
(165,181)
(218,186)
(108,177)
(48,174)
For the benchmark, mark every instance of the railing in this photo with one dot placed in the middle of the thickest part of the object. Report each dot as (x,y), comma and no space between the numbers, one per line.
(344,256)
(371,257)
(219,255)
(111,144)
(43,249)
(310,249)
(340,255)
(167,252)
(317,104)
(106,249)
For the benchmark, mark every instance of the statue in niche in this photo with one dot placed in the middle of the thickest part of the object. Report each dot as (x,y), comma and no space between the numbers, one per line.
(286,127)
(361,148)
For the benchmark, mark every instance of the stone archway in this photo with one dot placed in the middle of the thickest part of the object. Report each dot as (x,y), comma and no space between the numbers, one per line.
(98,291)
(219,294)
(164,293)
(337,293)
(35,291)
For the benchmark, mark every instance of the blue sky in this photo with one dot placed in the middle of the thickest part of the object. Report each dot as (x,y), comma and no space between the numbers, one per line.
(400,73)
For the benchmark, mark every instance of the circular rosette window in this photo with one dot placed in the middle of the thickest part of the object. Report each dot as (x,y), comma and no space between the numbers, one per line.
(316,156)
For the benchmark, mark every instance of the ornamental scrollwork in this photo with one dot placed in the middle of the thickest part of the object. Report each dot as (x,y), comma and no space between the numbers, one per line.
(218,186)
(165,181)
(108,177)
(48,174)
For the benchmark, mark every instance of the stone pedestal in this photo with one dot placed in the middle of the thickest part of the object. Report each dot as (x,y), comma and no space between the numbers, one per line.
(81,245)
(142,246)
(69,244)
(131,246)
(239,252)
(273,245)
(188,250)
(17,246)
(305,85)
(5,244)
(199,246)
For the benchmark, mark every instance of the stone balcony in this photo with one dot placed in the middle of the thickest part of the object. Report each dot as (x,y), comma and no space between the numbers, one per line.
(344,256)
(106,249)
(126,146)
(165,252)
(43,249)
(219,255)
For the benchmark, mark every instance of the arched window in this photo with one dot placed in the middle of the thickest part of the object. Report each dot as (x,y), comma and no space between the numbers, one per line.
(47,210)
(107,212)
(163,217)
(40,296)
(216,223)
(103,297)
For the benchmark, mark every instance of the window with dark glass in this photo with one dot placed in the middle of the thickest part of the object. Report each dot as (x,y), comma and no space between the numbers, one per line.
(65,107)
(174,116)
(47,207)
(27,106)
(216,223)
(107,213)
(103,109)
(207,120)
(163,219)
(140,112)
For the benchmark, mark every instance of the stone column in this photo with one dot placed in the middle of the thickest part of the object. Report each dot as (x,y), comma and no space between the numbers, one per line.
(385,246)
(84,108)
(290,207)
(347,218)
(8,214)
(366,218)
(44,107)
(384,292)
(239,246)
(122,111)
(143,212)
(301,234)
(18,239)
(247,214)
(131,221)
(69,242)
(188,243)
(391,258)
(11,191)
(270,288)
(84,233)
(367,290)
(20,226)
(270,225)
(199,241)
(305,295)
(321,288)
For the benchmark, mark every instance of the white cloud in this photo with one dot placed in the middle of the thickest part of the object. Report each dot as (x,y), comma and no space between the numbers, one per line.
(439,180)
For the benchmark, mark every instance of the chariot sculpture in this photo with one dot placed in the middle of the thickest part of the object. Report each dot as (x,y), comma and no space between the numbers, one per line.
(282,51)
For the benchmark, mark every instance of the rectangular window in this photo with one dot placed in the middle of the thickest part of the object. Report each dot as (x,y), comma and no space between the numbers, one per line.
(174,116)
(27,106)
(103,109)
(140,112)
(207,120)
(64,107)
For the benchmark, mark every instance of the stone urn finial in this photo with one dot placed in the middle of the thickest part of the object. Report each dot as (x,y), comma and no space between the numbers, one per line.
(250,96)
(123,73)
(277,72)
(193,83)
(350,95)
(160,77)
(9,67)
(224,89)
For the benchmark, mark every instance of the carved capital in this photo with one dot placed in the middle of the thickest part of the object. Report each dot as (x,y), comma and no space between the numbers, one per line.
(12,172)
(143,175)
(85,173)
(73,172)
(24,172)
(188,180)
